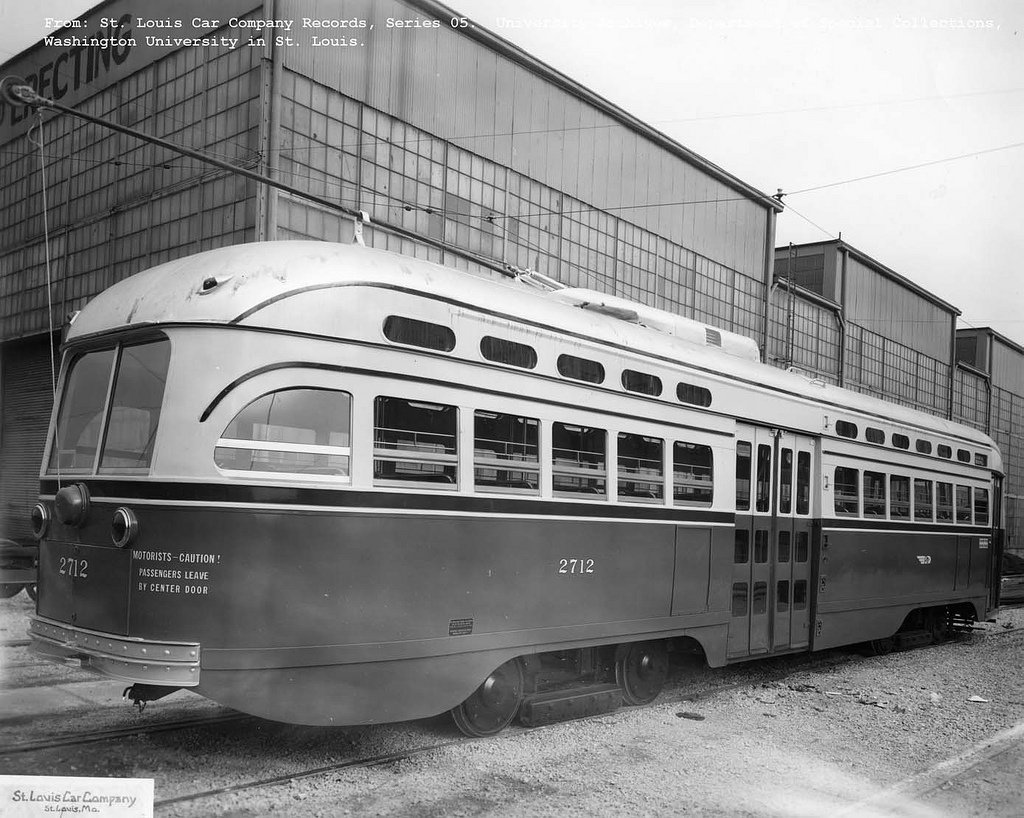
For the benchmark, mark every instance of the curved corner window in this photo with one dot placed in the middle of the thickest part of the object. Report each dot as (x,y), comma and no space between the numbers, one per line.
(846,429)
(945,451)
(924,446)
(980,459)
(112,398)
(295,431)
(402,330)
(900,441)
(580,369)
(693,395)
(963,455)
(503,351)
(645,384)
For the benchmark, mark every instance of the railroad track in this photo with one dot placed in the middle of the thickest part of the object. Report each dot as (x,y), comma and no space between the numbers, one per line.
(369,761)
(15,643)
(79,739)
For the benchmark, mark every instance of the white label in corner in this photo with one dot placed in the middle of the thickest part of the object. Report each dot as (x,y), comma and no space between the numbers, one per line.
(28,796)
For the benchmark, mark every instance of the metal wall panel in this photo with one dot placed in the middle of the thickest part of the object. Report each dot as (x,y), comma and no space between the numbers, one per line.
(882,305)
(27,398)
(1007,367)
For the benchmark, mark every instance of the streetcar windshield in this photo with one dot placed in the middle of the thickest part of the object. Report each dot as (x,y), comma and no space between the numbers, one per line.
(110,409)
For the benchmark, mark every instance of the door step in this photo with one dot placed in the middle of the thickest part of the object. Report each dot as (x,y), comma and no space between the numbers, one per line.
(569,703)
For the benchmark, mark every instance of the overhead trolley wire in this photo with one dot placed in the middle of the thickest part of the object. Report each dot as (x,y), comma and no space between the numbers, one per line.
(907,167)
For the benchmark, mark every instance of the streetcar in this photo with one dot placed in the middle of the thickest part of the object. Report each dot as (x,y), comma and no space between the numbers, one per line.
(332,485)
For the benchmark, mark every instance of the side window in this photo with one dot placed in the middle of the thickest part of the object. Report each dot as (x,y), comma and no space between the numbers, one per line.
(506,453)
(641,470)
(578,460)
(786,482)
(692,474)
(694,395)
(963,504)
(847,486)
(298,431)
(923,500)
(981,506)
(580,369)
(642,382)
(874,494)
(944,502)
(411,331)
(846,429)
(899,497)
(742,475)
(414,441)
(503,351)
(803,483)
(764,477)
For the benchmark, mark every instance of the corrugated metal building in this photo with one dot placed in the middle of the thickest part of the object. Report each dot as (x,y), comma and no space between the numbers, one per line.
(990,397)
(459,146)
(848,319)
(862,325)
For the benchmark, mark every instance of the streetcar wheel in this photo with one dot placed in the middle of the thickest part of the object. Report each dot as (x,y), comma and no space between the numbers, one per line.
(640,671)
(494,704)
(9,589)
(32,591)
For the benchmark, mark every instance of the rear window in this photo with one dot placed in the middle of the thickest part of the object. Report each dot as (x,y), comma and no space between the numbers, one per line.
(125,424)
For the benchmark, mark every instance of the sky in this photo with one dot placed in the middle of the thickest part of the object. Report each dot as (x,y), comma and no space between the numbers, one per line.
(899,126)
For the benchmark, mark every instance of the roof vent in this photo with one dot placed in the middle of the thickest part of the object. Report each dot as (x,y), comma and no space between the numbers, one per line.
(712,337)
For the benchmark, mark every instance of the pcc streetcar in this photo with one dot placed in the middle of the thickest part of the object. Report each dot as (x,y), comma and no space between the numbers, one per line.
(325,484)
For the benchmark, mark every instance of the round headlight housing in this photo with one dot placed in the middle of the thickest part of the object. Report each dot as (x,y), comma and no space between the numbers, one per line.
(72,504)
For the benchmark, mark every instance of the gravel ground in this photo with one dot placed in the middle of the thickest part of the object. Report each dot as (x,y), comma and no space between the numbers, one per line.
(793,738)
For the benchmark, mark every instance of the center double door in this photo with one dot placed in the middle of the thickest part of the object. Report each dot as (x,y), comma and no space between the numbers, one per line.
(772,557)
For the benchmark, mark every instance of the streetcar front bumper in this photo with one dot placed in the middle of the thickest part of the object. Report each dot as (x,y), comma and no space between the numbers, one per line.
(131,660)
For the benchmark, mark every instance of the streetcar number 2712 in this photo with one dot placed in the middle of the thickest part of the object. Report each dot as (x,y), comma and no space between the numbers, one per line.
(576,566)
(72,567)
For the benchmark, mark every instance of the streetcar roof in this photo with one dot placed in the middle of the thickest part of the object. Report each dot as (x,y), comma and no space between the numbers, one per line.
(249,276)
